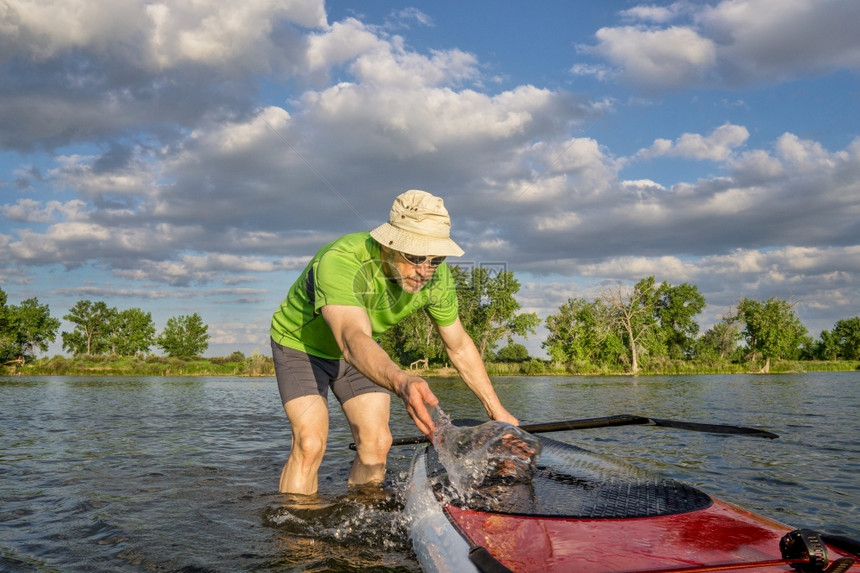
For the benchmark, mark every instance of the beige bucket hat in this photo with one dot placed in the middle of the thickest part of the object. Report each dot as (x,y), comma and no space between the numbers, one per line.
(418,224)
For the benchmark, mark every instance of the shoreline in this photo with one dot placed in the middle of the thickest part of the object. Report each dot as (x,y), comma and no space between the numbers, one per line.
(261,367)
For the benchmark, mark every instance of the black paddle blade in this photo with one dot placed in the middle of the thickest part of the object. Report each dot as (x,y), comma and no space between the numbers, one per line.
(712,428)
(630,420)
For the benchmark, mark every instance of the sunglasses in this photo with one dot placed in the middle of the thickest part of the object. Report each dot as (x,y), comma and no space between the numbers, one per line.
(419,260)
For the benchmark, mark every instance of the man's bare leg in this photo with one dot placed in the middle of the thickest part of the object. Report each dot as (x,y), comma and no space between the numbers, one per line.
(308,417)
(368,416)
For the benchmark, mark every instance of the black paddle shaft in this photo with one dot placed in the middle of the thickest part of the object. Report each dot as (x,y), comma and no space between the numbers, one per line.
(619,420)
(587,423)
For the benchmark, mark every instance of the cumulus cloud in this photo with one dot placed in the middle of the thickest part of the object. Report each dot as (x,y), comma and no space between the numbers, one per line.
(793,194)
(623,267)
(341,43)
(77,70)
(773,40)
(652,13)
(32,211)
(156,35)
(719,145)
(661,59)
(731,43)
(191,269)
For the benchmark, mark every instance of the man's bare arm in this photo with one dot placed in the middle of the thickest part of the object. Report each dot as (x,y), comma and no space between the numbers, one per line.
(467,360)
(351,328)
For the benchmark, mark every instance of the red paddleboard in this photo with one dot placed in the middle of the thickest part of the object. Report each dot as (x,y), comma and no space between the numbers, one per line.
(583,512)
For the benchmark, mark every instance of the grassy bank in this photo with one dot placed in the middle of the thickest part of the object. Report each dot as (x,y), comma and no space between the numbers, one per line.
(260,365)
(669,368)
(233,365)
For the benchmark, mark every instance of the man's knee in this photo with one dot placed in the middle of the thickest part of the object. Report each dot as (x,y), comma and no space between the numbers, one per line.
(374,448)
(310,447)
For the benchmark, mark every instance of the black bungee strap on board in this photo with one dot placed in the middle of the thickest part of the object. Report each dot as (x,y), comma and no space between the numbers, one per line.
(484,562)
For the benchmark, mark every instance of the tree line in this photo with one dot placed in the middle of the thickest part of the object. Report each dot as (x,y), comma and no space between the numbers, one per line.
(651,322)
(622,328)
(28,328)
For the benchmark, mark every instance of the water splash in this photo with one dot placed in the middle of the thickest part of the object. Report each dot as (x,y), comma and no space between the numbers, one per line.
(362,517)
(492,453)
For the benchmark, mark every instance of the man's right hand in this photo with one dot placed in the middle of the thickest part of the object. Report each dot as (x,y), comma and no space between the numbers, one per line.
(416,395)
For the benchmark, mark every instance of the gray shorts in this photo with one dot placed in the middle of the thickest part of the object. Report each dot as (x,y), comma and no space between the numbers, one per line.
(300,374)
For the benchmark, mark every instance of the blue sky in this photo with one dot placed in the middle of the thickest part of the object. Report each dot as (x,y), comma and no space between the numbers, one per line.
(182,157)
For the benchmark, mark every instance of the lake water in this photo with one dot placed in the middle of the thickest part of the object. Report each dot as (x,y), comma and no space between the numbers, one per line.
(180,474)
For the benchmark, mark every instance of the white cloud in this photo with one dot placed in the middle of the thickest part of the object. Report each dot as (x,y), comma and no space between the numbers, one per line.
(757,165)
(671,58)
(656,14)
(776,39)
(400,19)
(191,269)
(32,211)
(719,145)
(560,221)
(802,154)
(404,122)
(375,60)
(672,268)
(341,43)
(236,138)
(732,42)
(154,35)
(599,72)
(642,184)
(82,173)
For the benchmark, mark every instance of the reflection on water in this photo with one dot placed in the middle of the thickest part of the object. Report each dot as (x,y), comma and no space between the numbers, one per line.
(169,474)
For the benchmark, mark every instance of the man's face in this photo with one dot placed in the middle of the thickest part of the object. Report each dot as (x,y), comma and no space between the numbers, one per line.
(402,268)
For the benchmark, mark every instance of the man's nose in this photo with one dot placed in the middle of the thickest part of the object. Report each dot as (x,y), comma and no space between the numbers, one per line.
(425,270)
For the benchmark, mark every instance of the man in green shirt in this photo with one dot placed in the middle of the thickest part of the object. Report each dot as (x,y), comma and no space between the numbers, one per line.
(324,336)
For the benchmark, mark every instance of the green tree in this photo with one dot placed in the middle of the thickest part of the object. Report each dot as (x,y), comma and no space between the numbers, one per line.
(570,330)
(827,348)
(488,309)
(184,335)
(132,331)
(5,332)
(24,329)
(771,328)
(581,333)
(413,338)
(632,313)
(846,338)
(512,352)
(92,331)
(675,309)
(721,340)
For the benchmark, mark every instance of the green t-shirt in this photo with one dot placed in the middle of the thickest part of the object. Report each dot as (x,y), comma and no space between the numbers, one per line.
(349,272)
